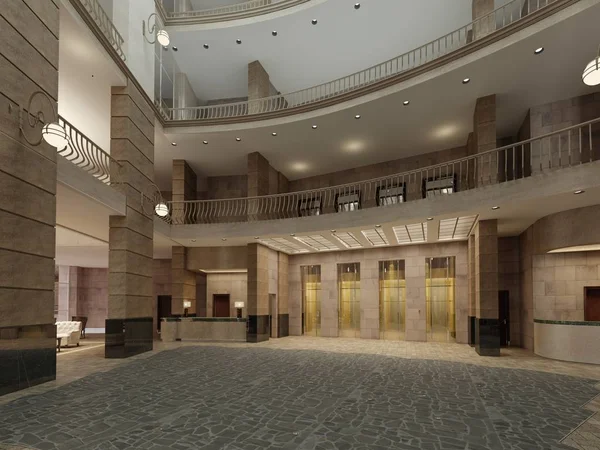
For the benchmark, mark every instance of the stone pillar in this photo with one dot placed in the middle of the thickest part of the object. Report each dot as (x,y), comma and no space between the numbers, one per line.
(258,182)
(283,319)
(472,295)
(183,189)
(484,22)
(183,96)
(258,293)
(28,63)
(484,133)
(182,6)
(259,85)
(183,283)
(129,328)
(487,334)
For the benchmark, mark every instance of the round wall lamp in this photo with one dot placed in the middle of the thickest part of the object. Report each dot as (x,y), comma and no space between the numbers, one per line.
(161,210)
(159,34)
(591,73)
(52,132)
(55,135)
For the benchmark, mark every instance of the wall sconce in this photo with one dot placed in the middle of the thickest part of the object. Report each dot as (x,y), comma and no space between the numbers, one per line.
(159,34)
(159,206)
(591,74)
(238,308)
(52,132)
(187,304)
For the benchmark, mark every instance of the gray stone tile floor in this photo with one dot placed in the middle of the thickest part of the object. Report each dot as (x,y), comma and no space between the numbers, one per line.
(214,397)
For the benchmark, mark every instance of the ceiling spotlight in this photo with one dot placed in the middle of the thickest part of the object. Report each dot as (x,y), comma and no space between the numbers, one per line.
(205,142)
(466,80)
(357,6)
(357,116)
(193,240)
(495,208)
(175,49)
(206,46)
(256,237)
(274,33)
(406,102)
(314,21)
(314,127)
(273,134)
(238,41)
(377,226)
(538,51)
(174,144)
(430,218)
(333,231)
(238,139)
(579,191)
(591,74)
(293,234)
(223,239)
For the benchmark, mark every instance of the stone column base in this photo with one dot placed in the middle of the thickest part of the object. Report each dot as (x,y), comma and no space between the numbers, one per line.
(487,335)
(258,329)
(472,339)
(128,337)
(283,325)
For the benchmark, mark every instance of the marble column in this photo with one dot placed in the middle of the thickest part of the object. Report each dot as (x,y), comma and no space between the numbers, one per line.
(131,304)
(484,21)
(259,85)
(472,295)
(28,63)
(183,283)
(484,133)
(184,188)
(283,319)
(258,293)
(487,335)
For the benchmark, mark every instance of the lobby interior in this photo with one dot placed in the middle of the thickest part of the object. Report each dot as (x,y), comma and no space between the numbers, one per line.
(300,224)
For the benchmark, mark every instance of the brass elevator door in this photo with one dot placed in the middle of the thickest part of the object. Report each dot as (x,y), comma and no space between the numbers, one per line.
(311,300)
(349,300)
(439,293)
(392,300)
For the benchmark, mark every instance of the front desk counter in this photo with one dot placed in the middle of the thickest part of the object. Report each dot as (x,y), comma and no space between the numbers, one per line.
(567,340)
(230,329)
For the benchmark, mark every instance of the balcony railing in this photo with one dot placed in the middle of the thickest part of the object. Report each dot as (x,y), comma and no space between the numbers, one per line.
(105,24)
(86,155)
(229,12)
(569,147)
(496,20)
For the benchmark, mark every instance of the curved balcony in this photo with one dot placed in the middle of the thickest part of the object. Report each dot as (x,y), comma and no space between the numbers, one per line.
(573,146)
(241,10)
(505,20)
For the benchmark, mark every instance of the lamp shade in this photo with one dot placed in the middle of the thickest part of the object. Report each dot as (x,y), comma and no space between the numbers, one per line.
(55,135)
(591,74)
(239,304)
(187,304)
(163,38)
(161,210)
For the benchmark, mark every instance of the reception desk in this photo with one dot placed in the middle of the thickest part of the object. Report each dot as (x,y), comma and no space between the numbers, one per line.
(567,340)
(203,329)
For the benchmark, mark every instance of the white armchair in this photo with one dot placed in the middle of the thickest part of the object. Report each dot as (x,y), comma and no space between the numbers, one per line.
(70,332)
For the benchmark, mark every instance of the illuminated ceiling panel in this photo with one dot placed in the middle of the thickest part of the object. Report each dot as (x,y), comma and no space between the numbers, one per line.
(283,245)
(348,240)
(317,242)
(456,228)
(376,237)
(408,234)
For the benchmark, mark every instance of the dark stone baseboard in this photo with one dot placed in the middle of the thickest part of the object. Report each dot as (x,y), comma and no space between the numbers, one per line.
(283,325)
(258,329)
(27,356)
(487,335)
(472,335)
(128,337)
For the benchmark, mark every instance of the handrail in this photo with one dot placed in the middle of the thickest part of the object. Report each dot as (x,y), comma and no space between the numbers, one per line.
(85,154)
(571,146)
(496,20)
(105,24)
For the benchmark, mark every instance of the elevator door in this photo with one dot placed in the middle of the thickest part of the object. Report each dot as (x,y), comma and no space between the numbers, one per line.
(439,293)
(392,300)
(311,300)
(349,300)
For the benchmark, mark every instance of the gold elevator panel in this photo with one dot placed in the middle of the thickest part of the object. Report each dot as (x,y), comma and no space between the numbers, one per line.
(349,299)
(311,300)
(440,281)
(392,300)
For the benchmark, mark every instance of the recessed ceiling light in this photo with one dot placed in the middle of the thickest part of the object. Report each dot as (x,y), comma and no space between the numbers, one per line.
(274,33)
(430,218)
(539,50)
(175,48)
(357,6)
(223,239)
(193,240)
(377,226)
(357,116)
(314,127)
(238,139)
(466,80)
(273,134)
(205,142)
(174,144)
(333,231)
(579,191)
(238,41)
(314,21)
(166,49)
(256,237)
(406,102)
(495,208)
(293,234)
(206,46)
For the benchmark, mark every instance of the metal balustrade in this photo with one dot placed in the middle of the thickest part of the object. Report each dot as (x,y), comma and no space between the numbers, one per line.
(228,12)
(86,155)
(496,20)
(105,24)
(569,147)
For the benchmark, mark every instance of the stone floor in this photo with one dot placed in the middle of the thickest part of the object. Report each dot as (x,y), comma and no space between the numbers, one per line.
(307,393)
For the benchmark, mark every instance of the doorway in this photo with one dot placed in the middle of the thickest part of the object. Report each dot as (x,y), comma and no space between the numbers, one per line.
(273,318)
(592,304)
(163,308)
(504,318)
(221,305)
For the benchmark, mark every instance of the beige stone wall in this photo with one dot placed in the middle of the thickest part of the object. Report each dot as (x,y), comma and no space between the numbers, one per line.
(201,295)
(486,269)
(184,188)
(485,137)
(235,186)
(484,24)
(234,284)
(28,62)
(258,280)
(526,278)
(183,283)
(282,283)
(509,279)
(217,258)
(414,257)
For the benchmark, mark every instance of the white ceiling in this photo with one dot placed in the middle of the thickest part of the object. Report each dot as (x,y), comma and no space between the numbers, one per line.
(344,41)
(439,116)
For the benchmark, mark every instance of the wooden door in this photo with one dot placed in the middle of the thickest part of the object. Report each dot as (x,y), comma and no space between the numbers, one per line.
(592,304)
(221,305)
